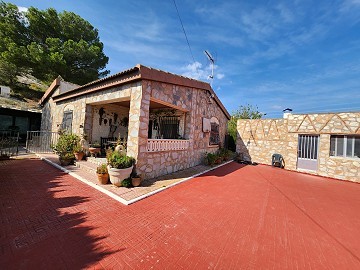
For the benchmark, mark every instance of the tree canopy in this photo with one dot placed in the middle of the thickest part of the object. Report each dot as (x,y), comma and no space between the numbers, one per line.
(45,44)
(243,112)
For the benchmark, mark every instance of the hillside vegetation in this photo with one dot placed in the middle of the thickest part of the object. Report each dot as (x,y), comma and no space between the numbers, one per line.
(38,45)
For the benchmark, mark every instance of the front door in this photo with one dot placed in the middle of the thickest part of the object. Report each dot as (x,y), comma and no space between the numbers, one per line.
(308,152)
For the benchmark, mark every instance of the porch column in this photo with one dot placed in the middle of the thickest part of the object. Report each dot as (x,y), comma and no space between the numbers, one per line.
(138,121)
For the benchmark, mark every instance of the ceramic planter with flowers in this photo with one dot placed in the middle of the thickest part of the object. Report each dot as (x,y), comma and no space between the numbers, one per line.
(119,166)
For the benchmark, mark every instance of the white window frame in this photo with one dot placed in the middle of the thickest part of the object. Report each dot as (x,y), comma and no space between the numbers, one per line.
(345,139)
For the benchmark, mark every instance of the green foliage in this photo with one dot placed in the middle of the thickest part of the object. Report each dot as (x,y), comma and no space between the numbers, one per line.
(95,144)
(102,169)
(45,44)
(78,148)
(243,112)
(224,153)
(210,158)
(126,183)
(118,160)
(66,144)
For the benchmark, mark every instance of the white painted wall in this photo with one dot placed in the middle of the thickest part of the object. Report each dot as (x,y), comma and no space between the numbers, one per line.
(103,130)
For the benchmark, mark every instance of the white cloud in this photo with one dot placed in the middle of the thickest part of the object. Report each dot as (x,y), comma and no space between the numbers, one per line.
(198,72)
(22,9)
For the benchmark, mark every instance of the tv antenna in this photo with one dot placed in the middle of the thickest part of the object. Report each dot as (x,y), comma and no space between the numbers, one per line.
(212,61)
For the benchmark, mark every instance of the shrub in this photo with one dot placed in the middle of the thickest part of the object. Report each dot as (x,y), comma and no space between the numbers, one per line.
(118,160)
(126,182)
(78,148)
(66,144)
(102,169)
(210,158)
(224,153)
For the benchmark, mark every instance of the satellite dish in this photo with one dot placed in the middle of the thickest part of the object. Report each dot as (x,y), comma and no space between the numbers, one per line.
(212,61)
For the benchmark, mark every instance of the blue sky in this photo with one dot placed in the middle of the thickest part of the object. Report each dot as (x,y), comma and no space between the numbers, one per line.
(299,54)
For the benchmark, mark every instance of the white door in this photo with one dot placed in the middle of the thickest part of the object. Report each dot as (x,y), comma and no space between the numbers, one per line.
(308,146)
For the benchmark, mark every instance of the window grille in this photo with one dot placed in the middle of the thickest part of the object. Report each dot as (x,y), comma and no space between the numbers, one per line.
(168,127)
(67,121)
(308,146)
(214,134)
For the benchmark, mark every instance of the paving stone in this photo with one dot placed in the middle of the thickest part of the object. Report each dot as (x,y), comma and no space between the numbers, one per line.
(235,217)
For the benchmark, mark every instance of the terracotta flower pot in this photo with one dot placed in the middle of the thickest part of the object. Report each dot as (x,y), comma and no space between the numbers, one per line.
(79,155)
(117,175)
(94,151)
(103,178)
(136,181)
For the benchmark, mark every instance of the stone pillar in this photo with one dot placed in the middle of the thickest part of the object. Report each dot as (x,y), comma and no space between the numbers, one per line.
(138,121)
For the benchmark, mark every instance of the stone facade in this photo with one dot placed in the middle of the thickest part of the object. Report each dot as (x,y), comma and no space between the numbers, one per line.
(135,93)
(259,139)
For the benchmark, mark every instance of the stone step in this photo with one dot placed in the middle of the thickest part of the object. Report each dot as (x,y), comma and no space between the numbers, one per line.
(86,166)
(97,161)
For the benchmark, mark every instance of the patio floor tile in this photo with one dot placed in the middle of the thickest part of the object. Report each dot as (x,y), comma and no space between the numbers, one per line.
(235,217)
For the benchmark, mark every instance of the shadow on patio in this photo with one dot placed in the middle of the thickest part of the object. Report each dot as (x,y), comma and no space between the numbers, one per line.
(42,221)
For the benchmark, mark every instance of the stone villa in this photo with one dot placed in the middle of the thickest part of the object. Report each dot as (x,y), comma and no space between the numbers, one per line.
(169,121)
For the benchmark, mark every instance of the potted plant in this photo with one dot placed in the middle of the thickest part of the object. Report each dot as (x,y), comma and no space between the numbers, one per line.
(135,180)
(65,148)
(126,182)
(102,174)
(121,144)
(119,166)
(78,152)
(94,149)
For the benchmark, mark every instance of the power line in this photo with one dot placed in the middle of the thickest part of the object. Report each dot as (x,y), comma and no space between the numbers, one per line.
(183,28)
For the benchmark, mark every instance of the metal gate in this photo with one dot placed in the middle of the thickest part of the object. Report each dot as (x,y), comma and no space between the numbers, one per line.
(308,146)
(9,143)
(41,141)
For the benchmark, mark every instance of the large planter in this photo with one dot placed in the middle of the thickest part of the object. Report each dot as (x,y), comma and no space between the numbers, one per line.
(117,175)
(66,161)
(103,178)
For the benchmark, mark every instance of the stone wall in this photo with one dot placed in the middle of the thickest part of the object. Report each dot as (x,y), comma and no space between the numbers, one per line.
(198,105)
(259,139)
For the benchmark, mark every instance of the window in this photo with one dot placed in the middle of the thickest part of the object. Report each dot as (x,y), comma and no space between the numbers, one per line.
(165,127)
(345,146)
(214,133)
(169,127)
(67,121)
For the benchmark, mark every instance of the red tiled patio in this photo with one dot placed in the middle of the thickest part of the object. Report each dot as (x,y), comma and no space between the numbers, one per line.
(235,217)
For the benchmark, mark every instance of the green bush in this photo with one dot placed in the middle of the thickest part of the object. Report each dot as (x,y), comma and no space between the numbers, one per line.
(66,145)
(118,160)
(126,182)
(210,158)
(224,153)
